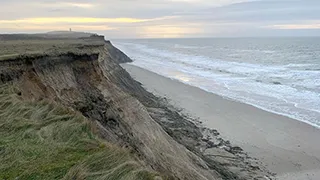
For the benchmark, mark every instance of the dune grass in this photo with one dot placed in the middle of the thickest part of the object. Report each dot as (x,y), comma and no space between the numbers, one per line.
(41,140)
(15,48)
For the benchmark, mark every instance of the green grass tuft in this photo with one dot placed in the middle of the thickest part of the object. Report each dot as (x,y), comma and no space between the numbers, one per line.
(40,140)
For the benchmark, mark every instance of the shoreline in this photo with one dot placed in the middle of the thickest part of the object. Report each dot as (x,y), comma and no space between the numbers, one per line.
(235,100)
(286,146)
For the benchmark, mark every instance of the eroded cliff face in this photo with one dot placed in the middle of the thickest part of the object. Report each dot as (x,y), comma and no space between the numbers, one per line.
(95,85)
(219,155)
(84,75)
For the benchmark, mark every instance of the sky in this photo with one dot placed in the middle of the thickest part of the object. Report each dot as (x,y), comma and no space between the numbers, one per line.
(164,18)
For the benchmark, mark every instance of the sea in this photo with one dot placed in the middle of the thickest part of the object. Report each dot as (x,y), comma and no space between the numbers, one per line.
(280,75)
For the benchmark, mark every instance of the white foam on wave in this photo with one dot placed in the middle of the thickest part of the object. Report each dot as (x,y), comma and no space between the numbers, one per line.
(277,88)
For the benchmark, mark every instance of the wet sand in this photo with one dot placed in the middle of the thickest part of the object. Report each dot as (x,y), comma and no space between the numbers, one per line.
(286,146)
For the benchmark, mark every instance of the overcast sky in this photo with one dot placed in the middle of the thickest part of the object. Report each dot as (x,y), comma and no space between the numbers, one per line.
(164,18)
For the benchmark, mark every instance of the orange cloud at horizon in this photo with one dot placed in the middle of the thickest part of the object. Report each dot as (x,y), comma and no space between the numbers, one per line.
(168,31)
(52,20)
(120,25)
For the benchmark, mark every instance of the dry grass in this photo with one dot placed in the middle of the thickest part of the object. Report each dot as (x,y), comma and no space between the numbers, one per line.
(14,48)
(40,140)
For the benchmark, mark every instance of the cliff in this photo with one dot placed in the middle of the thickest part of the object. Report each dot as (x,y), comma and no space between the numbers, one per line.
(83,76)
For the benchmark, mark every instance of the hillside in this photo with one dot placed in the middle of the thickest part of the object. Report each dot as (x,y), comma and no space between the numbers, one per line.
(42,140)
(69,111)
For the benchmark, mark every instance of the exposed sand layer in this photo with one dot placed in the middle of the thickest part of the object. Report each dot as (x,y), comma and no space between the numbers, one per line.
(287,147)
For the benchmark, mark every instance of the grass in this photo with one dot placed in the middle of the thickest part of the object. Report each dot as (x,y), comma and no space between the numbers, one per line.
(41,140)
(14,48)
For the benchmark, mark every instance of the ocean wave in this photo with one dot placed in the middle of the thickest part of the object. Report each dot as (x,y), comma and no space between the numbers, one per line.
(279,88)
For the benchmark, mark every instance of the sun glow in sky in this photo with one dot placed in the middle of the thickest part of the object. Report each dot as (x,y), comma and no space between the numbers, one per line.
(164,18)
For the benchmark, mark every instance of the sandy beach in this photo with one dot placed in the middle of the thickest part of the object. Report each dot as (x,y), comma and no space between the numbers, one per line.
(287,147)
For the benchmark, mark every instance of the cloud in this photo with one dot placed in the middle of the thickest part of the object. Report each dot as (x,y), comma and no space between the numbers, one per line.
(69,4)
(82,24)
(75,20)
(79,5)
(295,26)
(169,31)
(55,4)
(59,27)
(162,18)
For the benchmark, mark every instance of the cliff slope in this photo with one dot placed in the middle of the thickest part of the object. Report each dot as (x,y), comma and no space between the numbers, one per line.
(43,140)
(78,75)
(82,77)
